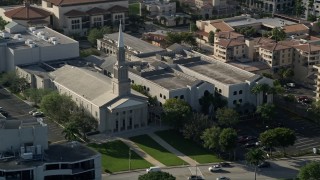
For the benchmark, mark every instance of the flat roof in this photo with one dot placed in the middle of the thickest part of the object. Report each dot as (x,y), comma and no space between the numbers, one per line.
(66,152)
(133,42)
(20,43)
(16,124)
(273,22)
(171,80)
(219,71)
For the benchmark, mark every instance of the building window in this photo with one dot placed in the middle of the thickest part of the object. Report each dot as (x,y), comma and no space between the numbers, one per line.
(164,97)
(240,92)
(75,24)
(240,101)
(96,114)
(117,124)
(234,92)
(176,97)
(130,111)
(123,112)
(160,95)
(234,102)
(117,113)
(148,89)
(220,91)
(182,97)
(97,21)
(130,121)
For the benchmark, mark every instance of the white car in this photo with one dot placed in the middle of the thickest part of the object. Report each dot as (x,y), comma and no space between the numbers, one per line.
(216,167)
(153,169)
(32,111)
(37,114)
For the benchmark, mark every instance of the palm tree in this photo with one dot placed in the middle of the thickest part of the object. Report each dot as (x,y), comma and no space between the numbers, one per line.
(255,157)
(70,131)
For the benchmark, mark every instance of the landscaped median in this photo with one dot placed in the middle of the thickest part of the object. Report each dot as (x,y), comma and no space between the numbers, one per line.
(187,147)
(151,147)
(115,157)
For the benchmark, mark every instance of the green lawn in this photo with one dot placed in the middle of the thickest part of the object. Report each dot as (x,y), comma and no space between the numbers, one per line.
(187,147)
(158,152)
(134,8)
(115,157)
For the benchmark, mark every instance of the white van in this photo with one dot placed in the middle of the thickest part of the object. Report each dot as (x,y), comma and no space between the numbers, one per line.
(153,169)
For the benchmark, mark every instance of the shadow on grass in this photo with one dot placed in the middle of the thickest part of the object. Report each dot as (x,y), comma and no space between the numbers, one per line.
(116,149)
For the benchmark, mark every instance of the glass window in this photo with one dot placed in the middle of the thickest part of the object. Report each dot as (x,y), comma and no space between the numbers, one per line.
(75,24)
(240,92)
(97,21)
(234,92)
(240,100)
(182,97)
(234,102)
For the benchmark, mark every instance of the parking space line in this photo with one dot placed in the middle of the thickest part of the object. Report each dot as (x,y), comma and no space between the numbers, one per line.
(304,141)
(309,144)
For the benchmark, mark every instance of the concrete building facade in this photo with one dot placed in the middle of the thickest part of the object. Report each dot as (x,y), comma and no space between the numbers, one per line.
(79,16)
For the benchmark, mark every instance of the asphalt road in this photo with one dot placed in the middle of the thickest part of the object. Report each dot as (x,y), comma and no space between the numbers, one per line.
(19,110)
(287,168)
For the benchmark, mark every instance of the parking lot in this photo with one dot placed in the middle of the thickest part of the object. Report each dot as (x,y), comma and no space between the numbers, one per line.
(19,110)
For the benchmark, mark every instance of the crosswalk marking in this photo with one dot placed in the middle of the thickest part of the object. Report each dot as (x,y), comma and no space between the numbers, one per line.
(195,171)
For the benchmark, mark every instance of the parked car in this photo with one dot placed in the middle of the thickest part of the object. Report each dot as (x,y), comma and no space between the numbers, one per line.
(216,167)
(225,164)
(242,139)
(264,164)
(4,113)
(223,178)
(194,177)
(37,114)
(153,169)
(292,85)
(32,111)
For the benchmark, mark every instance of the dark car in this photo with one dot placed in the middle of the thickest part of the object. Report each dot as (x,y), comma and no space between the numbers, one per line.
(225,164)
(249,145)
(4,113)
(265,164)
(242,139)
(194,177)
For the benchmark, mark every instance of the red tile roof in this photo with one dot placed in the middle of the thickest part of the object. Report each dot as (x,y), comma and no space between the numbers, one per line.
(75,13)
(76,2)
(230,43)
(97,11)
(117,8)
(222,26)
(295,28)
(228,35)
(27,13)
(275,46)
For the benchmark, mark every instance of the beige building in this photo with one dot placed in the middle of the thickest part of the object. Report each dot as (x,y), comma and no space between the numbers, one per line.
(212,25)
(317,67)
(79,16)
(253,47)
(296,31)
(229,50)
(33,45)
(159,8)
(276,55)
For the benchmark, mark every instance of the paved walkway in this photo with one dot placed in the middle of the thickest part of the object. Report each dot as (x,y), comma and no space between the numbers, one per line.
(141,153)
(172,149)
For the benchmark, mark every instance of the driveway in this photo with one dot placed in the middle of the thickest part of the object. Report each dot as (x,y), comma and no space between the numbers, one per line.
(18,110)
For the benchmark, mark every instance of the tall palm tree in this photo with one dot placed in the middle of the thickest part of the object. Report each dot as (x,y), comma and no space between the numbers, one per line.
(70,131)
(255,157)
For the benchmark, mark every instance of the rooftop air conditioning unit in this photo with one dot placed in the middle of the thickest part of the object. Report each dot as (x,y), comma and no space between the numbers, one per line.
(32,29)
(17,36)
(55,42)
(44,37)
(40,33)
(52,39)
(32,45)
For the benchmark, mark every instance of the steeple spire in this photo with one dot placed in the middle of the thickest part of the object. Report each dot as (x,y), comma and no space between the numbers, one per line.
(120,38)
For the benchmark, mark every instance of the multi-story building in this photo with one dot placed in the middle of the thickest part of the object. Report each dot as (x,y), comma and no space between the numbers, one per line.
(26,155)
(212,25)
(276,55)
(226,50)
(253,45)
(77,17)
(33,45)
(156,38)
(296,31)
(159,8)
(317,68)
(273,6)
(133,46)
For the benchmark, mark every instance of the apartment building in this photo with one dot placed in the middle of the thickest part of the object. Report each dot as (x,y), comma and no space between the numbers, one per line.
(296,31)
(33,45)
(272,6)
(26,155)
(159,8)
(226,50)
(276,55)
(77,17)
(212,25)
(253,44)
(317,68)
(156,38)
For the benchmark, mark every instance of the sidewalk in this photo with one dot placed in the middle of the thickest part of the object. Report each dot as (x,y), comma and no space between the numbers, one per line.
(173,150)
(141,153)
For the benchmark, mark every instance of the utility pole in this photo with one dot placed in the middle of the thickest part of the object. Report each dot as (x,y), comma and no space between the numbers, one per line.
(130,159)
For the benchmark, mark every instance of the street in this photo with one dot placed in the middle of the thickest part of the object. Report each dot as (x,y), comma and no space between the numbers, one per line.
(287,168)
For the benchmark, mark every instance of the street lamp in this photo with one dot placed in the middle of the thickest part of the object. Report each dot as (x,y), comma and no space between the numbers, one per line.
(130,159)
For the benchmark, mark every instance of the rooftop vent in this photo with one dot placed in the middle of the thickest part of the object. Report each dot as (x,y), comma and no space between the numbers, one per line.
(32,29)
(17,36)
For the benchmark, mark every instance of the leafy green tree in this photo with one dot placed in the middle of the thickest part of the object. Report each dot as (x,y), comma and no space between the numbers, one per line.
(3,23)
(255,157)
(156,176)
(83,121)
(268,139)
(36,95)
(228,140)
(227,117)
(266,112)
(311,18)
(206,101)
(176,37)
(139,88)
(173,38)
(299,8)
(211,137)
(96,33)
(193,27)
(265,88)
(219,102)
(211,37)
(310,171)
(285,137)
(57,107)
(194,128)
(278,34)
(176,112)
(14,82)
(70,131)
